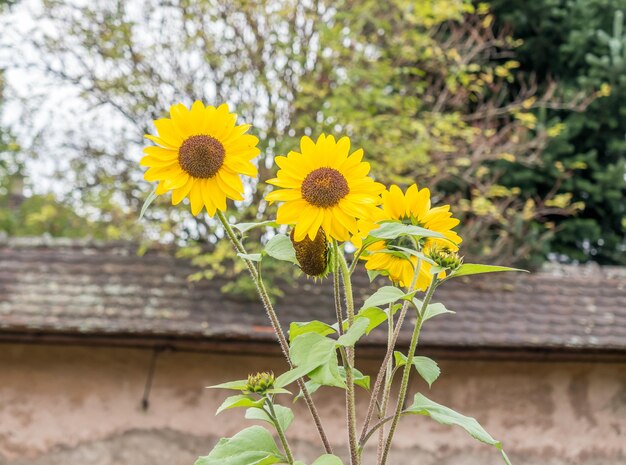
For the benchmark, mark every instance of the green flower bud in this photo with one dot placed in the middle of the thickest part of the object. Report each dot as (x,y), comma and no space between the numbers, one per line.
(260,382)
(445,258)
(312,255)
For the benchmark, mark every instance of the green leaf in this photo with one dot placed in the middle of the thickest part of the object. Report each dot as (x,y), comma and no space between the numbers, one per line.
(254,257)
(426,367)
(284,415)
(393,230)
(319,327)
(151,196)
(281,248)
(446,416)
(277,390)
(467,269)
(243,227)
(432,310)
(328,459)
(240,400)
(359,378)
(252,446)
(313,355)
(358,329)
(292,375)
(239,385)
(386,295)
(415,253)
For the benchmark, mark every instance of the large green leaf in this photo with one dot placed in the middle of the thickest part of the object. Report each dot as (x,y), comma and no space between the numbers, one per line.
(281,248)
(446,416)
(313,355)
(239,400)
(467,269)
(284,415)
(252,446)
(426,367)
(386,295)
(393,230)
(319,327)
(354,333)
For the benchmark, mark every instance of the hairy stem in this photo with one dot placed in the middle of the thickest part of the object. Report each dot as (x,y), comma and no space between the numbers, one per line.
(271,313)
(349,360)
(407,371)
(279,430)
(380,377)
(387,386)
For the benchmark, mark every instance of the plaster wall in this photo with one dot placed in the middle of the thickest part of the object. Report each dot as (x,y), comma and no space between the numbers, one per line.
(72,405)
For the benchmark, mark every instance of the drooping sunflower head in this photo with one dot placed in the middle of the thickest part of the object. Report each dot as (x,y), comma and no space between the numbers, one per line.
(312,255)
(200,154)
(411,207)
(324,185)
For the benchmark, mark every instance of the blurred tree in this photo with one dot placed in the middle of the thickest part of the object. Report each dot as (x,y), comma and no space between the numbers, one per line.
(581,43)
(428,88)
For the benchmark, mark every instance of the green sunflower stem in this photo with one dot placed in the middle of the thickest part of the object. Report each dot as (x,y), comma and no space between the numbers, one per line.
(279,430)
(271,313)
(407,370)
(380,377)
(387,386)
(347,355)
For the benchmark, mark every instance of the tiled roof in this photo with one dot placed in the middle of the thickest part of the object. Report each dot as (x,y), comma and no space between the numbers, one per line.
(80,289)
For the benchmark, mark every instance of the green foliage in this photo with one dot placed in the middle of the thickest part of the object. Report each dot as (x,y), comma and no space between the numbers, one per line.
(281,248)
(582,44)
(251,446)
(423,406)
(284,416)
(426,367)
(432,310)
(468,269)
(386,295)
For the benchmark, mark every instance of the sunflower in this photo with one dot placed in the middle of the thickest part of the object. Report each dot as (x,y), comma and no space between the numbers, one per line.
(324,186)
(200,154)
(412,207)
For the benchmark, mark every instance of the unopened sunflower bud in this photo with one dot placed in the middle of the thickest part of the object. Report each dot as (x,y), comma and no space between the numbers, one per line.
(260,382)
(312,255)
(445,258)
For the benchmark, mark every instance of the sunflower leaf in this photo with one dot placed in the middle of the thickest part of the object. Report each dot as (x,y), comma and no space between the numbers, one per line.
(244,227)
(386,295)
(296,328)
(426,367)
(239,400)
(253,257)
(281,248)
(446,416)
(284,415)
(392,230)
(253,445)
(151,196)
(468,269)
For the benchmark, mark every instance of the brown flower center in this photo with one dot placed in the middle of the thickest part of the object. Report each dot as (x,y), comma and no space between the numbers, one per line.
(324,187)
(201,156)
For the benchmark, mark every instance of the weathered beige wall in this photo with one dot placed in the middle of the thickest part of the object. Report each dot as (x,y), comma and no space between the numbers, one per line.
(81,406)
